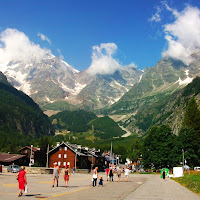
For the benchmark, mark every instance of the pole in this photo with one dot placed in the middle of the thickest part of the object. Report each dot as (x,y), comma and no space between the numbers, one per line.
(183,158)
(31,156)
(47,157)
(111,153)
(75,160)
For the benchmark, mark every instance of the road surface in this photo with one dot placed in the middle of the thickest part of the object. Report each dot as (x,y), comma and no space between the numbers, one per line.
(139,186)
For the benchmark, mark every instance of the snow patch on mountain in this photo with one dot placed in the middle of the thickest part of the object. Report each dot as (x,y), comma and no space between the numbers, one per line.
(23,84)
(186,81)
(117,85)
(78,88)
(187,72)
(74,70)
(140,78)
(49,100)
(113,100)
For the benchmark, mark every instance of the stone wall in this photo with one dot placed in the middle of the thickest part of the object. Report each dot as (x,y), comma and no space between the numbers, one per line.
(43,170)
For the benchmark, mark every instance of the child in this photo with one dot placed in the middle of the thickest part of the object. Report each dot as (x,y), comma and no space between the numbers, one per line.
(101,182)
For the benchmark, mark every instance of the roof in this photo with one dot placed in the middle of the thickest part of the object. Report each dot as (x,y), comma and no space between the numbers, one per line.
(34,149)
(71,147)
(5,157)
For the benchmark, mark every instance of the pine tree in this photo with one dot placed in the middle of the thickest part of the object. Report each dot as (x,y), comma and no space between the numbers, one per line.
(192,116)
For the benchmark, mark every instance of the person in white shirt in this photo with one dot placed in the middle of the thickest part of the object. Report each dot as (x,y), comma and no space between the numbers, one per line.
(127,171)
(95,176)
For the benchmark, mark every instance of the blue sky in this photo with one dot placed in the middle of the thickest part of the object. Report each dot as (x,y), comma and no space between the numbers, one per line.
(74,27)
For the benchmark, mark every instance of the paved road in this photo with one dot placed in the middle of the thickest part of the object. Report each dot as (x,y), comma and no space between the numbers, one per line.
(156,188)
(138,187)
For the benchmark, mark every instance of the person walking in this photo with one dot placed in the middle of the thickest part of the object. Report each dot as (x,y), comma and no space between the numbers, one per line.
(95,176)
(107,173)
(101,182)
(73,170)
(66,174)
(111,173)
(118,173)
(163,174)
(56,174)
(126,173)
(22,180)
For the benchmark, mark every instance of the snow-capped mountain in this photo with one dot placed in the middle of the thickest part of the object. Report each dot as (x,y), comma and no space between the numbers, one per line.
(50,79)
(46,80)
(105,90)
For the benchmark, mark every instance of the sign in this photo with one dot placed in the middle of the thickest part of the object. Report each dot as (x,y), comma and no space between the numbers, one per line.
(178,172)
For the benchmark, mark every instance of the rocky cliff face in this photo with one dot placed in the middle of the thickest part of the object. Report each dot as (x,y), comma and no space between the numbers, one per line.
(156,99)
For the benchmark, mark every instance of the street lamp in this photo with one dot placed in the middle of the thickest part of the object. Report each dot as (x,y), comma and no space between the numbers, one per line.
(75,158)
(183,158)
(31,156)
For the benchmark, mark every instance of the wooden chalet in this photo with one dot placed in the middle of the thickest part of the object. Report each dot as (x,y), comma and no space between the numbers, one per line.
(8,159)
(27,151)
(66,154)
(74,155)
(30,155)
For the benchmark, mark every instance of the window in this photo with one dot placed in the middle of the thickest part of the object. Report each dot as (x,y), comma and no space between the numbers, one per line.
(59,155)
(65,148)
(58,163)
(64,163)
(65,155)
(60,148)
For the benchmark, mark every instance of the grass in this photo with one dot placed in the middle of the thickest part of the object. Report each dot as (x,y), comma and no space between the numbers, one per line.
(190,181)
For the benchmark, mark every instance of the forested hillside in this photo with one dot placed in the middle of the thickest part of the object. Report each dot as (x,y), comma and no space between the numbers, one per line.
(21,119)
(80,121)
(105,127)
(74,121)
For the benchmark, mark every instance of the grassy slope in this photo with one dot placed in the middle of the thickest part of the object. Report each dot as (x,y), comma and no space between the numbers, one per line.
(192,182)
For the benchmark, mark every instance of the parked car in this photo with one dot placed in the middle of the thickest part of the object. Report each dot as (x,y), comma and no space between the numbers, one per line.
(197,168)
(0,168)
(13,168)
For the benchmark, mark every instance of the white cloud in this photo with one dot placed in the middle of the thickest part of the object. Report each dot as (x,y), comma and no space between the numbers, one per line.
(183,35)
(132,65)
(60,54)
(16,46)
(156,17)
(44,37)
(174,11)
(102,59)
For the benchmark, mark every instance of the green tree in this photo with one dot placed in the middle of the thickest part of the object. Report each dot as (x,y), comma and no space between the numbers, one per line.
(158,150)
(134,150)
(187,140)
(192,116)
(189,136)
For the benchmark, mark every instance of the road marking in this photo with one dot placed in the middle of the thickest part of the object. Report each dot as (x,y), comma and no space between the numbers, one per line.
(71,180)
(67,193)
(44,181)
(10,185)
(71,192)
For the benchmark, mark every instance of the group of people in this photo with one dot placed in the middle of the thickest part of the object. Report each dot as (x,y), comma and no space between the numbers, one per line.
(111,169)
(66,174)
(22,180)
(109,174)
